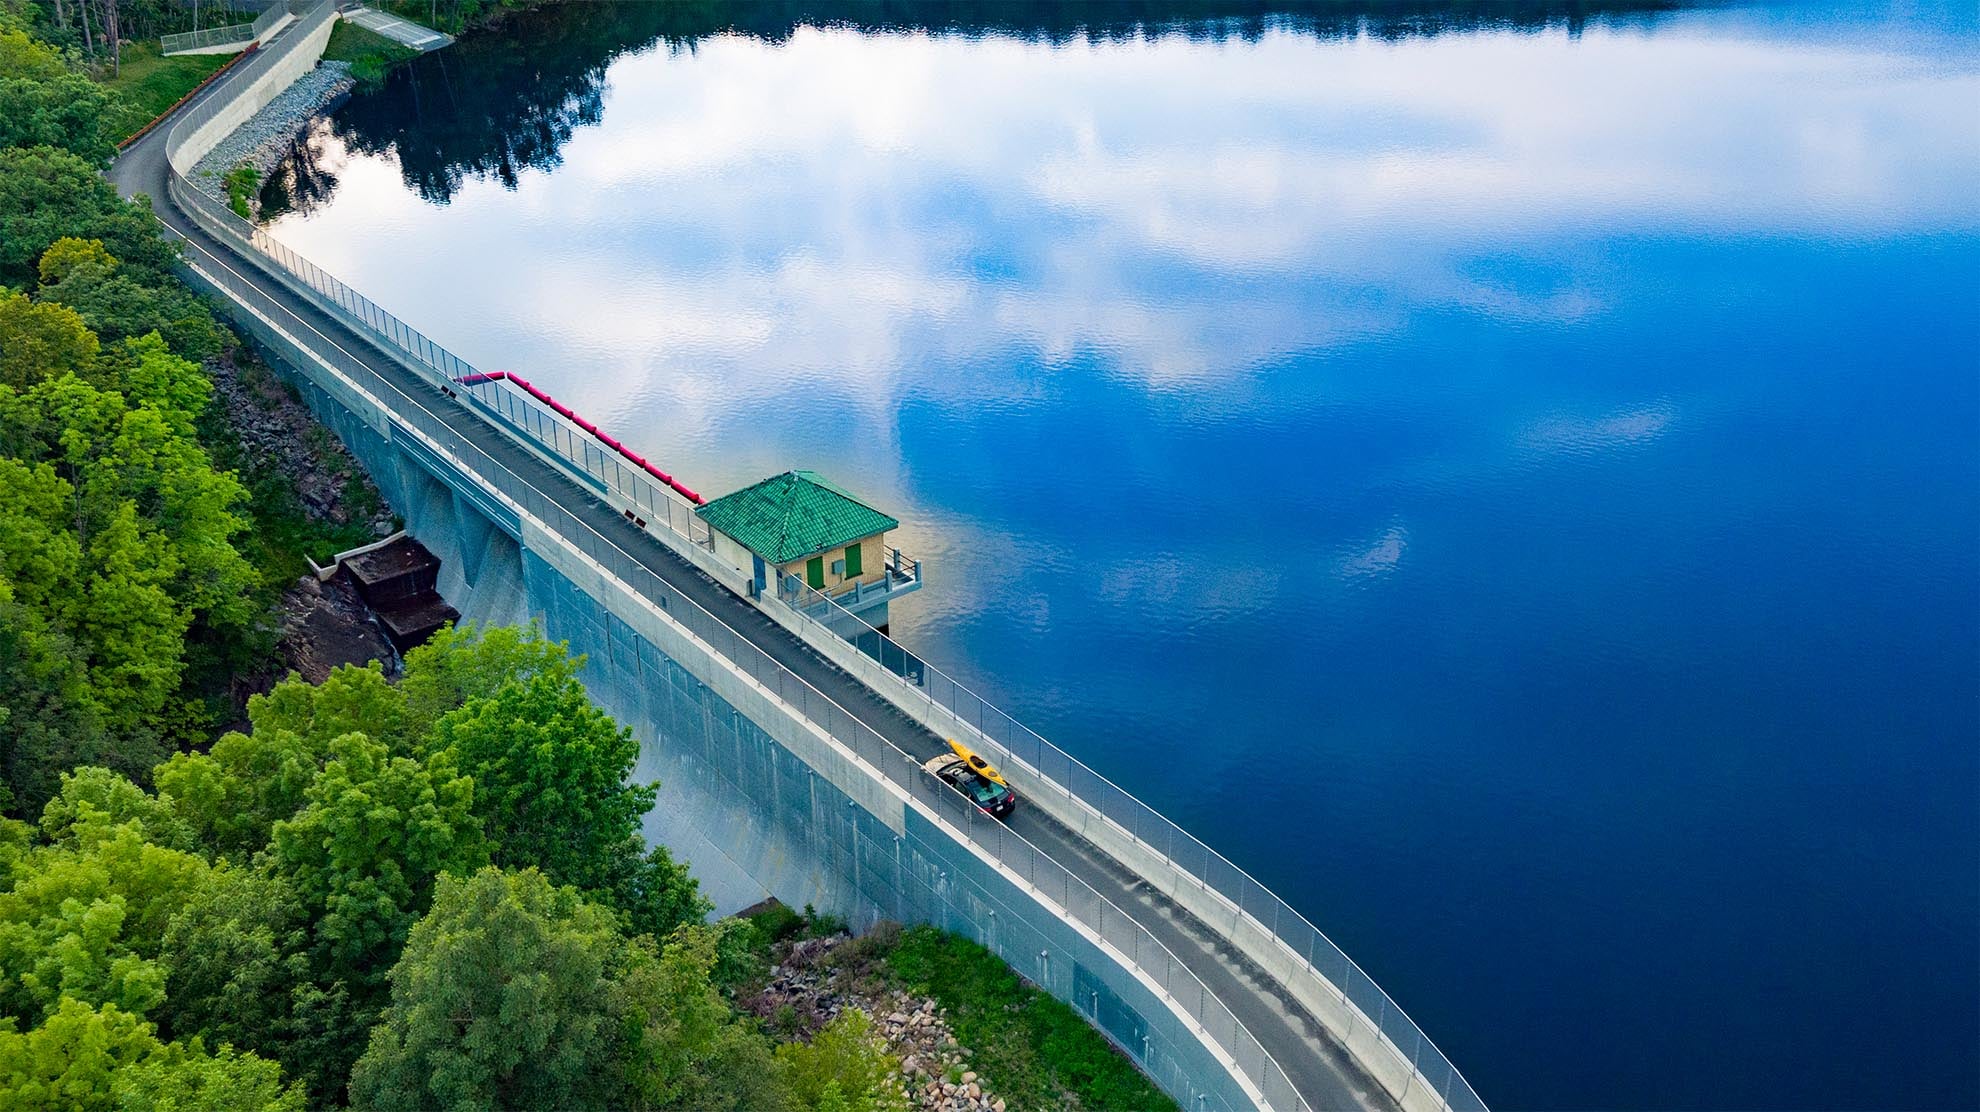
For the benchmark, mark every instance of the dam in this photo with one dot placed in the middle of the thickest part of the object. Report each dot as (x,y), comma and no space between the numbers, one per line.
(786,730)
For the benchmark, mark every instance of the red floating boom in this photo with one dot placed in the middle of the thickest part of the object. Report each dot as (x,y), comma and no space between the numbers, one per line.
(564,411)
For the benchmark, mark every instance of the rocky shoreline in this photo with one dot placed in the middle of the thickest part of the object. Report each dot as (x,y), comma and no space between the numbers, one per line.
(265,140)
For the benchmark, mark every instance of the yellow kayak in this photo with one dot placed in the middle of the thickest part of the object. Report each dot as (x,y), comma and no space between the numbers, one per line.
(976,763)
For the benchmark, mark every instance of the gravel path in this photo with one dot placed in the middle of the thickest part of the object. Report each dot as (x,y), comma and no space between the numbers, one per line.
(264,140)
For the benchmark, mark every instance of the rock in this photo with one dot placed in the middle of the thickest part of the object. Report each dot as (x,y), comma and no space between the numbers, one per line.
(266,138)
(968,1076)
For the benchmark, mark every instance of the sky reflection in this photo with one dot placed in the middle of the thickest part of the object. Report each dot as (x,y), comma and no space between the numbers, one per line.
(1538,468)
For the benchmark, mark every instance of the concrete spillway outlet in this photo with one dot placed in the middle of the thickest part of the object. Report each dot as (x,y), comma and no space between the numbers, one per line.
(399,582)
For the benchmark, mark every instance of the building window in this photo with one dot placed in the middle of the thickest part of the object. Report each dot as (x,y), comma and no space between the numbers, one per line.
(852,561)
(814,572)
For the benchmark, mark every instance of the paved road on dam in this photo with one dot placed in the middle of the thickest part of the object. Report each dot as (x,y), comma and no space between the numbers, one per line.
(1316,1065)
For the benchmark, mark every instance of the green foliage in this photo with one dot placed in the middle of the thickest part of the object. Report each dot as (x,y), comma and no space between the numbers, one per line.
(845,1068)
(82,275)
(95,799)
(115,543)
(550,770)
(242,183)
(70,1062)
(87,1059)
(1033,1049)
(694,1052)
(550,777)
(233,955)
(195,1082)
(460,664)
(85,920)
(509,994)
(365,850)
(43,104)
(40,342)
(47,193)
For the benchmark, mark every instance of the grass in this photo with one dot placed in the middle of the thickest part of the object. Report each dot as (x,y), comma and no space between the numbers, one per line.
(150,83)
(1031,1048)
(370,54)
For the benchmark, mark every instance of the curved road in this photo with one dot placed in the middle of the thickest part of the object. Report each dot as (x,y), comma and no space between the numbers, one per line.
(1318,1067)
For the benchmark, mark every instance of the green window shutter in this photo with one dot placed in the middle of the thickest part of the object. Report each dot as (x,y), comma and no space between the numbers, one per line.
(852,560)
(814,572)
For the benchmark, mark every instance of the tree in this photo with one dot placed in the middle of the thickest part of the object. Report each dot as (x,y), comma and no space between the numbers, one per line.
(234,956)
(459,664)
(234,794)
(46,194)
(86,919)
(364,852)
(550,774)
(39,342)
(118,535)
(70,1062)
(49,718)
(550,770)
(95,799)
(68,111)
(351,699)
(87,1059)
(190,1081)
(694,1052)
(508,995)
(83,275)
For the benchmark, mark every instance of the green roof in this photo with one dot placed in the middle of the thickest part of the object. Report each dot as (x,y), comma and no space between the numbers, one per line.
(792,516)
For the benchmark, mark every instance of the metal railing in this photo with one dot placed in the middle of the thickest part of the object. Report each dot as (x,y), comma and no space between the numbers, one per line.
(242,33)
(1011,741)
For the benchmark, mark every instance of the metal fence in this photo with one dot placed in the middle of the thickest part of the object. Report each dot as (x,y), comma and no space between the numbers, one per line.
(1014,744)
(525,416)
(241,33)
(238,33)
(1011,741)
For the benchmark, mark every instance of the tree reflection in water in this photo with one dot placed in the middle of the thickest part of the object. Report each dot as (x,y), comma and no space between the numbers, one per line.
(506,100)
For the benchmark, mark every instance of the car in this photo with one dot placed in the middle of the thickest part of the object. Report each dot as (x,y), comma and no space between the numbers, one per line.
(992,797)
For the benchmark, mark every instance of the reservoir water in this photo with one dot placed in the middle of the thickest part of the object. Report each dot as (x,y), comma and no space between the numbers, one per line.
(1511,481)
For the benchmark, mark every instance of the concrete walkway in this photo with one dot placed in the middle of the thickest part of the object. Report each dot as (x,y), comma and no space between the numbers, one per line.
(402,31)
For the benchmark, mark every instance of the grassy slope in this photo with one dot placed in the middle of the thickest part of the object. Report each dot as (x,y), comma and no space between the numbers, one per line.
(1031,1047)
(150,83)
(369,53)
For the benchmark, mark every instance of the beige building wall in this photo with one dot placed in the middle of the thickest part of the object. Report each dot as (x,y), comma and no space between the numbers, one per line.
(872,551)
(872,562)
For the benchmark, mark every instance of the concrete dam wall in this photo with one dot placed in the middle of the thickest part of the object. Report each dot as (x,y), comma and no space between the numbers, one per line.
(755,799)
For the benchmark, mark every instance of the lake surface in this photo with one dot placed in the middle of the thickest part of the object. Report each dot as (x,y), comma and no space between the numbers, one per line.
(1512,483)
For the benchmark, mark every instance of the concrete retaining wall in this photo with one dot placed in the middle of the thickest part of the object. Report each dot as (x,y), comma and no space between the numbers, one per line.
(245,98)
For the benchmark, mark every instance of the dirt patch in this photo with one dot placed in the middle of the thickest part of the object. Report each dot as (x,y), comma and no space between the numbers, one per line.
(325,624)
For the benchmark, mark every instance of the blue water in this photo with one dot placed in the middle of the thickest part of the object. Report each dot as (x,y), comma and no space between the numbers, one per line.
(1514,489)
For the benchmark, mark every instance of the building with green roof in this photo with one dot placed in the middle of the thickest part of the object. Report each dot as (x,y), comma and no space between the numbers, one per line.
(801,530)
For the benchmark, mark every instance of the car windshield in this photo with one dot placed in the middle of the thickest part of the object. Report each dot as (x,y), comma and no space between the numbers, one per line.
(981,790)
